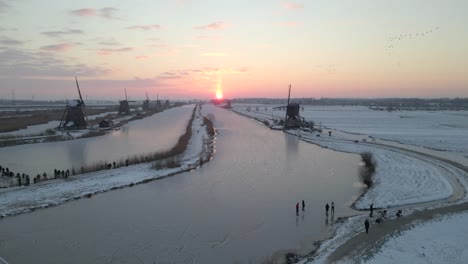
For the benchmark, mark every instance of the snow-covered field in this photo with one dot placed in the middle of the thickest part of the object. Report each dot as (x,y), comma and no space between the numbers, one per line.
(32,130)
(442,240)
(442,130)
(41,128)
(402,176)
(16,200)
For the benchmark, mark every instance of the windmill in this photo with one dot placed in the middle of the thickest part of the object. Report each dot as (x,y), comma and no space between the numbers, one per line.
(124,108)
(146,103)
(74,113)
(158,102)
(292,118)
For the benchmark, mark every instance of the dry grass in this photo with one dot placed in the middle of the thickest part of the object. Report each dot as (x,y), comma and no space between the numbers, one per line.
(209,126)
(165,159)
(12,121)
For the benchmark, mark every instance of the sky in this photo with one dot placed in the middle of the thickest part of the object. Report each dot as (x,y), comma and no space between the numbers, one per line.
(196,49)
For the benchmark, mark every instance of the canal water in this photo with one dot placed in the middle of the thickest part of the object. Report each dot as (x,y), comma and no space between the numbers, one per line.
(238,208)
(158,132)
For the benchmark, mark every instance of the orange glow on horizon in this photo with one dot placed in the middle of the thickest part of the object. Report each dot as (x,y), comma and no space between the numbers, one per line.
(219,94)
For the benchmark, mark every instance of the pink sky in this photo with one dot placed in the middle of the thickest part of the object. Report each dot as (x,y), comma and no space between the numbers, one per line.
(188,49)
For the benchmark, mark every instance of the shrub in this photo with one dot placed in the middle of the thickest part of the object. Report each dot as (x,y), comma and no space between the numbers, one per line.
(209,126)
(368,170)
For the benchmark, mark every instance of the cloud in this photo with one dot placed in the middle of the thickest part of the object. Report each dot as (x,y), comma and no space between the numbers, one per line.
(8,29)
(292,6)
(57,47)
(289,24)
(62,32)
(204,37)
(182,2)
(202,74)
(142,57)
(106,12)
(105,52)
(166,53)
(214,25)
(60,88)
(190,46)
(20,63)
(173,74)
(145,27)
(222,71)
(9,42)
(213,54)
(4,6)
(84,12)
(109,43)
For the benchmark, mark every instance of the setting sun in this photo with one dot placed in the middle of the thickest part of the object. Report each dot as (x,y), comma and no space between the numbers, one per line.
(219,94)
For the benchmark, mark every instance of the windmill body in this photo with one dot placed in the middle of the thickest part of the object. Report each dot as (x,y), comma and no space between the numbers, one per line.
(74,116)
(124,107)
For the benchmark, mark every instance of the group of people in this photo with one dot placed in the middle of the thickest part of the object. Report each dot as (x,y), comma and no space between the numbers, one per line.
(25,180)
(62,173)
(297,207)
(383,215)
(327,207)
(6,172)
(331,208)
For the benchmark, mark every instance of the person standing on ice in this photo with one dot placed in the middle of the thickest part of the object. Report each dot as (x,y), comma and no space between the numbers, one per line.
(303,205)
(326,209)
(371,208)
(366,224)
(333,207)
(297,208)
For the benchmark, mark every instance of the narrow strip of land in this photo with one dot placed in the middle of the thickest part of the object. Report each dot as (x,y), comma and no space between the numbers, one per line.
(362,243)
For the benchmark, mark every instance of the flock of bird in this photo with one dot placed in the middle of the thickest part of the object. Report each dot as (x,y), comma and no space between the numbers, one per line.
(392,42)
(327,68)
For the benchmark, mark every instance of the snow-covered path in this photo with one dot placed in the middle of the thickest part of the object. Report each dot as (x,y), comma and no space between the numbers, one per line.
(362,244)
(441,240)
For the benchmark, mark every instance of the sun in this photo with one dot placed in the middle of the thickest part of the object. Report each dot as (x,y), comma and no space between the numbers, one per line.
(219,94)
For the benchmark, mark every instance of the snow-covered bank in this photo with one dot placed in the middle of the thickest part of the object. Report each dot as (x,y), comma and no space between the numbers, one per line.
(442,240)
(403,176)
(22,199)
(441,130)
(400,178)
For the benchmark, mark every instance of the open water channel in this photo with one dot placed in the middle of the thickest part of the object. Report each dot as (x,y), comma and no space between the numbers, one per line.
(238,208)
(158,132)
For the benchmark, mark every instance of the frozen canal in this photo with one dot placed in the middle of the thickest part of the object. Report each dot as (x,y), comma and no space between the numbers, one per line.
(240,207)
(155,133)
